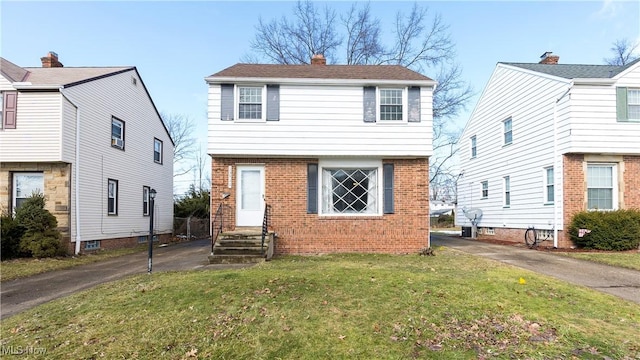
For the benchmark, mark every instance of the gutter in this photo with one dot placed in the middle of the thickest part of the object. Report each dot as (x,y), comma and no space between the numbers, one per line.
(76,172)
(556,174)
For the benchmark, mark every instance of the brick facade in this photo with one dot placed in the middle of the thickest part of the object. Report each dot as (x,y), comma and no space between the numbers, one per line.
(57,189)
(118,243)
(405,231)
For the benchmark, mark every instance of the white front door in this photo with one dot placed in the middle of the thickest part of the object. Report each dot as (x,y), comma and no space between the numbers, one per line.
(250,196)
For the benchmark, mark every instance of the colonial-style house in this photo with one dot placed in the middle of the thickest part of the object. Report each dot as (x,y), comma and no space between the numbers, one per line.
(91,140)
(547,140)
(339,154)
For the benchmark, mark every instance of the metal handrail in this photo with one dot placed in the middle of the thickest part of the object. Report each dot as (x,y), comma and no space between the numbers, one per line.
(217,230)
(265,226)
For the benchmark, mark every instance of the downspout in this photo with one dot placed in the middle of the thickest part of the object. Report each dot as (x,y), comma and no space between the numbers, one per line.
(76,173)
(556,167)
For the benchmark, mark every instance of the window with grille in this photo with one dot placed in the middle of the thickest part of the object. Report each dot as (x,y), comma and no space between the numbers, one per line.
(390,104)
(112,197)
(474,151)
(601,187)
(485,189)
(250,102)
(350,191)
(507,191)
(508,132)
(549,185)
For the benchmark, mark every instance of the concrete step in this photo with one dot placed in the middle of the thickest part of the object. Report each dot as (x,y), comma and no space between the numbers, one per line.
(238,250)
(235,259)
(240,242)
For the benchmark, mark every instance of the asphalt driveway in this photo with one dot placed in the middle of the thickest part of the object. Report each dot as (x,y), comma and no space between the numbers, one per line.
(22,294)
(624,283)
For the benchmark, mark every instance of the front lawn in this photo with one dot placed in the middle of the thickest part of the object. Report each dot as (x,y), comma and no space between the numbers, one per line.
(450,306)
(630,260)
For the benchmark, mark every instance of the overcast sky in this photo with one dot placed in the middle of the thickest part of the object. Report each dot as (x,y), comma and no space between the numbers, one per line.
(175,45)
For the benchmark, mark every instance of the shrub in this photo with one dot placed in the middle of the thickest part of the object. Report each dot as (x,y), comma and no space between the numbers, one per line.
(41,239)
(445,220)
(611,230)
(10,237)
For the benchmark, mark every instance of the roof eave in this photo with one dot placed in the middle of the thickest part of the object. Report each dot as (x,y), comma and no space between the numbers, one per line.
(315,81)
(593,81)
(30,86)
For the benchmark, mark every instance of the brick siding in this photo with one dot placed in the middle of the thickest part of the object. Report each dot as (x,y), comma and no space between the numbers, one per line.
(117,243)
(405,231)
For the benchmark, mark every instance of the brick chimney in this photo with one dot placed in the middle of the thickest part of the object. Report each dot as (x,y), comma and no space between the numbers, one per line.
(318,59)
(51,60)
(549,59)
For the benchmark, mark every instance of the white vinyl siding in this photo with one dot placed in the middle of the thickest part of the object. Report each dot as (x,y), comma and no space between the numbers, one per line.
(38,133)
(319,120)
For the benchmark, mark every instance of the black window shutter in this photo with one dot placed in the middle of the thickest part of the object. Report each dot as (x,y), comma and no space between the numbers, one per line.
(387,180)
(226,106)
(273,102)
(414,104)
(369,103)
(312,188)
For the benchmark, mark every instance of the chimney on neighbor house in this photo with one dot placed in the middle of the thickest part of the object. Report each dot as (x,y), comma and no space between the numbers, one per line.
(547,58)
(51,60)
(318,59)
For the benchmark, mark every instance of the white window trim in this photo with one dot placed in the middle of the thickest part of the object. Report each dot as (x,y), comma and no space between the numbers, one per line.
(236,105)
(121,137)
(504,132)
(405,105)
(482,189)
(115,202)
(545,185)
(629,104)
(504,191)
(158,141)
(614,181)
(474,139)
(14,190)
(92,245)
(145,199)
(353,164)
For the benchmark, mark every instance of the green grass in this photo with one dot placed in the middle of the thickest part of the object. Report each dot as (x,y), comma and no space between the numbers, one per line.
(450,306)
(630,260)
(18,268)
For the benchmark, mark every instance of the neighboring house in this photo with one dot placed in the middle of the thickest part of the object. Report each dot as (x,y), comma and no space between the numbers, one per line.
(439,207)
(548,140)
(339,152)
(91,140)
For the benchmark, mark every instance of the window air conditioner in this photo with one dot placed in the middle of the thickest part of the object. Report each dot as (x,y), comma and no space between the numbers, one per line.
(117,142)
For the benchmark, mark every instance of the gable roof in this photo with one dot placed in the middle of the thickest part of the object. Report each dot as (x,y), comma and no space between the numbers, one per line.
(575,71)
(346,72)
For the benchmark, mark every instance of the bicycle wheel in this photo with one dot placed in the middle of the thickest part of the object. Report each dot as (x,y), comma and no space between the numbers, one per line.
(530,237)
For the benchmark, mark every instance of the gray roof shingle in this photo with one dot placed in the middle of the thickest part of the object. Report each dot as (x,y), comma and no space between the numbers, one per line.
(347,72)
(575,71)
(12,71)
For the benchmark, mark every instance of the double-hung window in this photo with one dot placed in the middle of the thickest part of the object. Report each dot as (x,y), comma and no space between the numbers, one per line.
(112,197)
(145,200)
(117,133)
(549,185)
(485,189)
(25,185)
(628,104)
(250,102)
(157,151)
(474,150)
(602,193)
(391,104)
(508,132)
(507,191)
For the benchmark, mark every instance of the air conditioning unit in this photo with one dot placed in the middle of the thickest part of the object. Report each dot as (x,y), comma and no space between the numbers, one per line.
(117,142)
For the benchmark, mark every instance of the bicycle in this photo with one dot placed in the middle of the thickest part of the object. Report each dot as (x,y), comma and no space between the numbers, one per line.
(532,238)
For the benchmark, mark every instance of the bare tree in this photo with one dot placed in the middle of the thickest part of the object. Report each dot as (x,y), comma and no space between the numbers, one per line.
(420,42)
(201,176)
(623,52)
(180,128)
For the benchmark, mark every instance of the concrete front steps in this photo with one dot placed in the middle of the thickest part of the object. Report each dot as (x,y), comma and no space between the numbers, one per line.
(242,246)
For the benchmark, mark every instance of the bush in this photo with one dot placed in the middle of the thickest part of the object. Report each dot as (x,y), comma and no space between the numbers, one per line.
(610,230)
(40,239)
(10,237)
(445,221)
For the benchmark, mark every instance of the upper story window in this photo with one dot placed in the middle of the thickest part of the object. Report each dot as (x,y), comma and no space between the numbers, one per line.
(485,189)
(508,133)
(602,188)
(474,150)
(157,151)
(628,104)
(117,133)
(391,104)
(250,102)
(112,197)
(549,185)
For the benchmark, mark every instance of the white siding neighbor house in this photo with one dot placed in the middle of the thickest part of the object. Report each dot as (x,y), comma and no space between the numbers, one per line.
(91,140)
(339,153)
(548,140)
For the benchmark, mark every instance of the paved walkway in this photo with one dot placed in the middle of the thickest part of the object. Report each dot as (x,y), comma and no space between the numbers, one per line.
(22,294)
(624,283)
